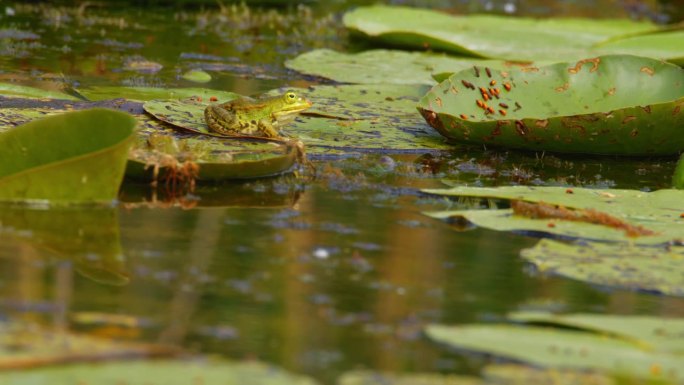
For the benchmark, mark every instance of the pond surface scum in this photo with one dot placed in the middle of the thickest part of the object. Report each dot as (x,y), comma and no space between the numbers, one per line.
(332,278)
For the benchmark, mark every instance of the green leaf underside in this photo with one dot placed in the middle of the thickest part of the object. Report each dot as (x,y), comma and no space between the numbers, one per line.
(616,104)
(658,211)
(87,165)
(549,347)
(158,372)
(650,333)
(348,118)
(632,267)
(95,93)
(493,37)
(381,66)
(9,89)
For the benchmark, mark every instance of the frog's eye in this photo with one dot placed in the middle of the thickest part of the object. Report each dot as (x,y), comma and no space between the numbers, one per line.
(290,97)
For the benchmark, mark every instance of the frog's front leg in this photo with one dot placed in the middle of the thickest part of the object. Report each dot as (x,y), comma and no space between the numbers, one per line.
(219,119)
(268,129)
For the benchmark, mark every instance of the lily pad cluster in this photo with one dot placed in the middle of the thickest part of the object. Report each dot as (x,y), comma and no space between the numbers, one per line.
(623,238)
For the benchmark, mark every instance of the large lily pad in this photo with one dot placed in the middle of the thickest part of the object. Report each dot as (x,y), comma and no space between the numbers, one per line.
(493,37)
(615,104)
(352,118)
(665,46)
(9,89)
(382,66)
(625,266)
(562,348)
(158,372)
(72,157)
(658,211)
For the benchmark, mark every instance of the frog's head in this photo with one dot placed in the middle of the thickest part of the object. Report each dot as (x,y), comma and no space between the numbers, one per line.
(289,105)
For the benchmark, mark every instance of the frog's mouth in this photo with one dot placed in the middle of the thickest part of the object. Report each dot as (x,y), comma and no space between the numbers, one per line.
(288,113)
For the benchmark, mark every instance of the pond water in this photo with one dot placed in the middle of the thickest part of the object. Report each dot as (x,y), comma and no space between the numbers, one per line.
(316,276)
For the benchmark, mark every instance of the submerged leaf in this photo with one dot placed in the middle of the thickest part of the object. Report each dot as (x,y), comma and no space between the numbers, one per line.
(495,37)
(71,157)
(623,105)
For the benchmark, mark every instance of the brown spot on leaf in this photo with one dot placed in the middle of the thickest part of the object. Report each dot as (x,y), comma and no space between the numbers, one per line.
(611,91)
(432,119)
(634,133)
(578,66)
(647,109)
(542,123)
(520,128)
(529,69)
(563,88)
(438,100)
(453,90)
(647,70)
(628,119)
(677,110)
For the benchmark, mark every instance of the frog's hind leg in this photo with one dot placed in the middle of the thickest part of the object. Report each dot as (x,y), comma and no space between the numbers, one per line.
(219,119)
(268,129)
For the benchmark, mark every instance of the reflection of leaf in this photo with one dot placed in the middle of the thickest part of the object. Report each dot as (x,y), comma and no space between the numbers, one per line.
(657,269)
(497,37)
(624,105)
(28,346)
(159,372)
(562,348)
(383,66)
(72,157)
(658,211)
(87,236)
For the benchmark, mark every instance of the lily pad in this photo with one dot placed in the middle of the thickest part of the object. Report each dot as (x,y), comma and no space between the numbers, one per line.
(72,157)
(157,372)
(9,89)
(652,333)
(496,37)
(659,211)
(511,374)
(365,377)
(632,267)
(616,104)
(384,66)
(561,348)
(665,46)
(161,153)
(351,118)
(197,76)
(95,93)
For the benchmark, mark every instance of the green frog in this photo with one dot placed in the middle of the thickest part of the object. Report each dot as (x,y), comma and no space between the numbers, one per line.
(249,117)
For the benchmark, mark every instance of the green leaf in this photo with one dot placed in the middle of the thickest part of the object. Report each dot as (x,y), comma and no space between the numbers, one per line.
(511,374)
(633,267)
(550,347)
(148,93)
(665,46)
(651,333)
(496,37)
(678,176)
(72,157)
(383,66)
(622,105)
(8,89)
(658,211)
(197,76)
(158,372)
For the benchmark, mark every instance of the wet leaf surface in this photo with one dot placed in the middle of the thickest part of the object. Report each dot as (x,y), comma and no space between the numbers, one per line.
(493,37)
(87,166)
(623,105)
(623,266)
